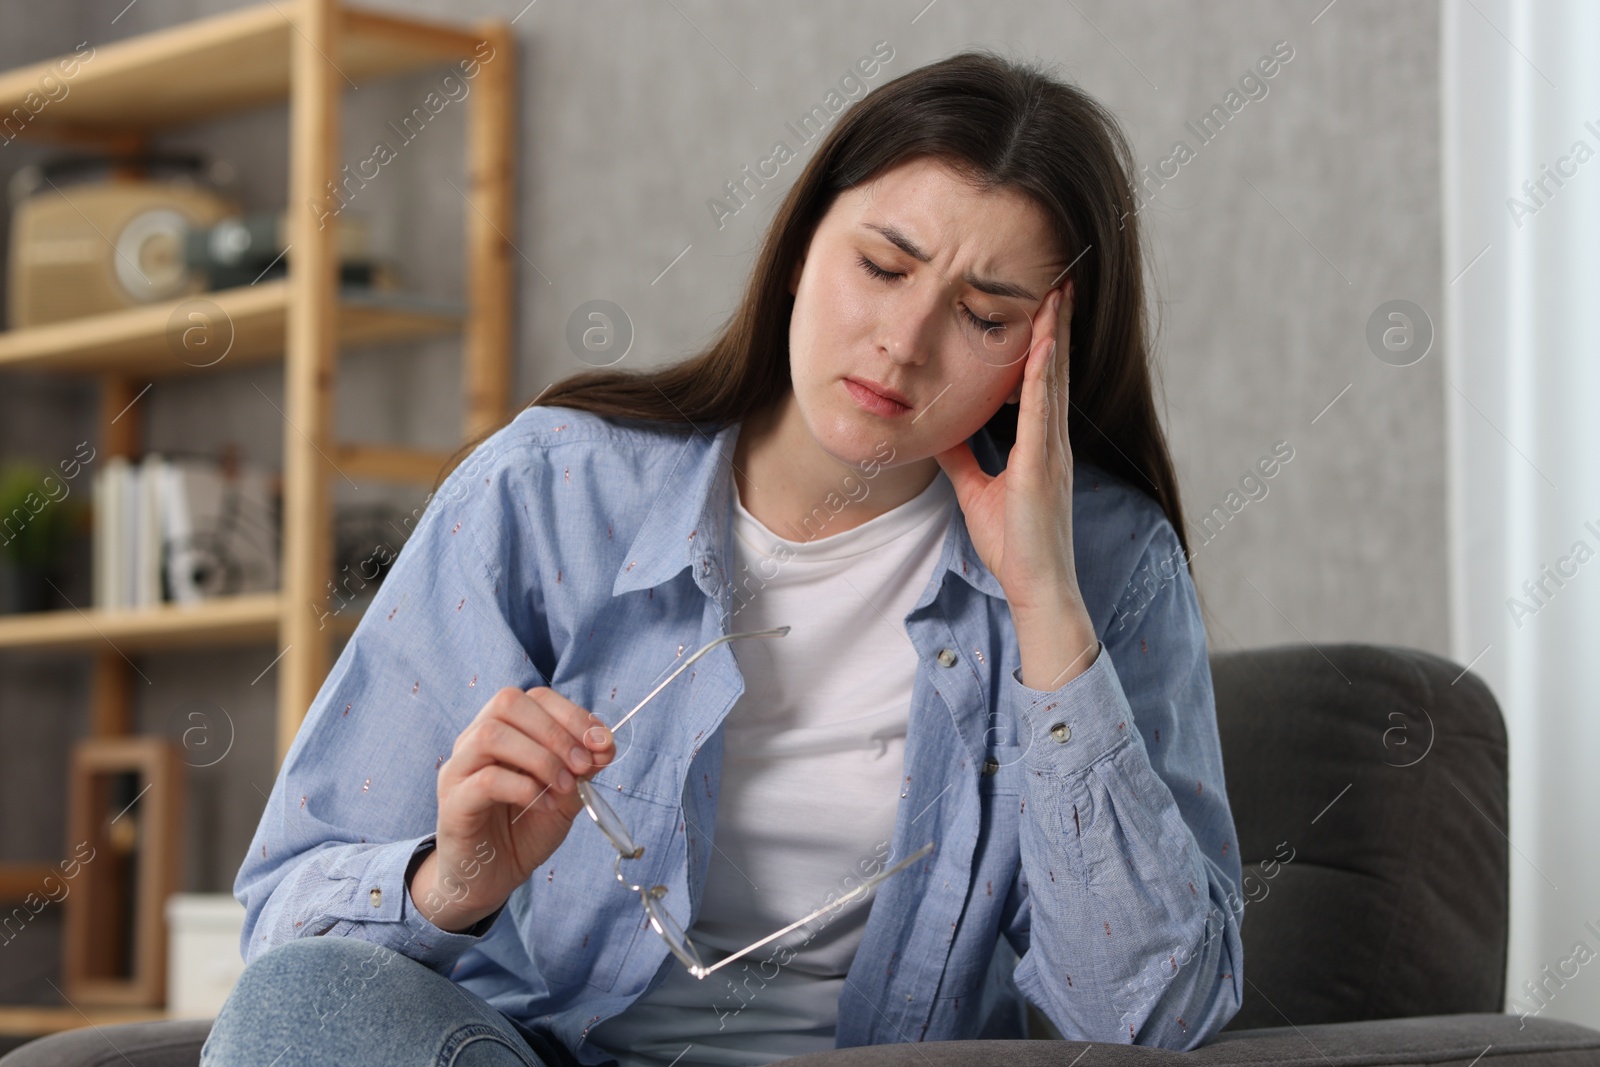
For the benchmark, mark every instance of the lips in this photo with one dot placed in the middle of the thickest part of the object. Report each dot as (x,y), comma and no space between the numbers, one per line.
(882,390)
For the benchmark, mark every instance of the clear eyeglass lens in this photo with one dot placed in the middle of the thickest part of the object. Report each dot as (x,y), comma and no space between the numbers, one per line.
(1002,343)
(606,819)
(668,927)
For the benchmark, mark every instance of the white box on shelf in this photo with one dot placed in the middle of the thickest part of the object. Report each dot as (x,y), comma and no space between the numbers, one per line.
(203,960)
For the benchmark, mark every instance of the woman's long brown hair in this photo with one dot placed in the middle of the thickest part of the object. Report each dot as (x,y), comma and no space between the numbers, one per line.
(1003,125)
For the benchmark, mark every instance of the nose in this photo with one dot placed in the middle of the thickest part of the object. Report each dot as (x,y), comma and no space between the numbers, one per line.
(908,332)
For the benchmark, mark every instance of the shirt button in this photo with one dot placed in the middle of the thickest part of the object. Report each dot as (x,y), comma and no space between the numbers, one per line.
(1061,732)
(376,896)
(990,766)
(947,657)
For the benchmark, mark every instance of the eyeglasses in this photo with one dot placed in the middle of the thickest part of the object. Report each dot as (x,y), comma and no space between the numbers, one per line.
(665,925)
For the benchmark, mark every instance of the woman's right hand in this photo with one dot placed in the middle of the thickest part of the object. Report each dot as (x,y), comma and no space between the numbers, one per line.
(507,798)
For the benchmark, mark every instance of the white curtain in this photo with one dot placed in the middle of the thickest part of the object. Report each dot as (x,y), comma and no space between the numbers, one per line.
(1520,98)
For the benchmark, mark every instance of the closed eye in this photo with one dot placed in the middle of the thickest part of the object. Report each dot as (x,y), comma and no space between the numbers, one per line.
(875,270)
(887,275)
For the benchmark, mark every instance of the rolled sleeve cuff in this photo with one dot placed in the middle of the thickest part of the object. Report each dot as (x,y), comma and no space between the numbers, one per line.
(382,897)
(1066,729)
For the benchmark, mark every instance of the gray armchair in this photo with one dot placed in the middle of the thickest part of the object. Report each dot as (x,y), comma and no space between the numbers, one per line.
(1368,785)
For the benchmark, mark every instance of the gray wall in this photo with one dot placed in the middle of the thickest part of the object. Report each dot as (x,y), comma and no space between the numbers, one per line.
(1271,247)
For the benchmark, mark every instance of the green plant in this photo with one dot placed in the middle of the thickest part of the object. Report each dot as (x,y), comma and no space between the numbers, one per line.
(36,520)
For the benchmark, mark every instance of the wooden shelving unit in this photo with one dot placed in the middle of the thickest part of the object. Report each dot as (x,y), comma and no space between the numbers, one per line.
(139,341)
(305,52)
(237,620)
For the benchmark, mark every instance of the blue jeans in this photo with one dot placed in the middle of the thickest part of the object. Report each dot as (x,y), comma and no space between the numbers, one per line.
(321,1000)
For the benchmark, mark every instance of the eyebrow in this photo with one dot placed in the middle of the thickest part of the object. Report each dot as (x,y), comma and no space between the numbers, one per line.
(991,286)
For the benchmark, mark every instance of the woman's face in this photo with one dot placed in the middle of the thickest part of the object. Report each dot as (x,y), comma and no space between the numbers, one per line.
(915,332)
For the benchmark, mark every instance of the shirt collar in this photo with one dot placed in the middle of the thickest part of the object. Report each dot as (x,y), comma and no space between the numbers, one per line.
(689,523)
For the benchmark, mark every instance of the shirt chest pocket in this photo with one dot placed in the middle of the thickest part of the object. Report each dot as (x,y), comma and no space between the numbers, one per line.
(581,923)
(1002,767)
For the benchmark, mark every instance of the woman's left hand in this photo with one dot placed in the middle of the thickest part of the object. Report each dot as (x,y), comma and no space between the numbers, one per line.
(1020,521)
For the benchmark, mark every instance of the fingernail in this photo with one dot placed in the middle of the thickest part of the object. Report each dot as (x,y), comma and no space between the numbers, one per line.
(565,778)
(579,758)
(598,736)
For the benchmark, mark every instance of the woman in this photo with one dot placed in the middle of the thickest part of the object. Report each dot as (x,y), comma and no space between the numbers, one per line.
(872,478)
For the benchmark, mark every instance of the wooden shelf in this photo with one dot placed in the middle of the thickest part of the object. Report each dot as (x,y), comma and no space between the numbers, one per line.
(309,55)
(391,463)
(226,620)
(236,620)
(216,65)
(18,880)
(147,341)
(26,1020)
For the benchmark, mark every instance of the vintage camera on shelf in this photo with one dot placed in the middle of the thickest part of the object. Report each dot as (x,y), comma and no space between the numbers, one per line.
(98,233)
(91,234)
(244,249)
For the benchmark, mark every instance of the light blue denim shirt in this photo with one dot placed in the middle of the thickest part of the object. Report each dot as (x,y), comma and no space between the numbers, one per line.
(1085,830)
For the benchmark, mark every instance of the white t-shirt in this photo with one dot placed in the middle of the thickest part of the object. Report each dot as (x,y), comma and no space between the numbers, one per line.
(811,779)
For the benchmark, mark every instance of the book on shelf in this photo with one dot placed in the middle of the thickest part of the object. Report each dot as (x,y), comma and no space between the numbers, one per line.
(182,530)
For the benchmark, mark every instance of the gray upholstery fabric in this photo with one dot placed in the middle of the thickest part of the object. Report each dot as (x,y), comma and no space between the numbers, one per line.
(169,1043)
(1441,1040)
(1382,941)
(1396,902)
(1437,1040)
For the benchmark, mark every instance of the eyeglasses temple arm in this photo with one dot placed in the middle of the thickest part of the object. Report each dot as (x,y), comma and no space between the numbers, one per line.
(776,631)
(841,902)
